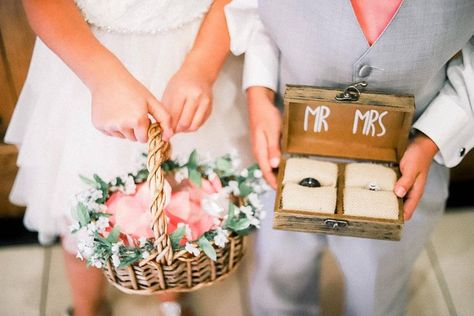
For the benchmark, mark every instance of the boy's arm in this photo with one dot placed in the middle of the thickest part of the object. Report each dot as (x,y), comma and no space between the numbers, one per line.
(248,35)
(188,95)
(260,80)
(449,119)
(445,130)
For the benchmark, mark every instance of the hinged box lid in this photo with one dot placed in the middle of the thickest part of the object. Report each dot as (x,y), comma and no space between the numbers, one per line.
(375,127)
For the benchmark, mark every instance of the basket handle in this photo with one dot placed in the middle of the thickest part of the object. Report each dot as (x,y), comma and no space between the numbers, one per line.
(158,152)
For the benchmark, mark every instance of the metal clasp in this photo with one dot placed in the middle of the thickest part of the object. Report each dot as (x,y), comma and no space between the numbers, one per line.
(335,224)
(352,92)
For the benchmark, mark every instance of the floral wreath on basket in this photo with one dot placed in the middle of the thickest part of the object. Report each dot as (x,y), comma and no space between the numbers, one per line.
(209,202)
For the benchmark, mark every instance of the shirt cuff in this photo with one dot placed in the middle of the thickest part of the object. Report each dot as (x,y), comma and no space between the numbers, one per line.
(448,126)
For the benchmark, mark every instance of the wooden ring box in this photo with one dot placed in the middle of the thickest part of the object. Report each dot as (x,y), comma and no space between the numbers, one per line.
(373,129)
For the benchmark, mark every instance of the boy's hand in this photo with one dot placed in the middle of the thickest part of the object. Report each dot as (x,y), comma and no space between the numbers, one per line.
(120,108)
(188,97)
(414,166)
(265,130)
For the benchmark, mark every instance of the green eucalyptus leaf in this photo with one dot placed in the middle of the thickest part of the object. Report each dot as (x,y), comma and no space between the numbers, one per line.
(193,160)
(176,236)
(82,214)
(240,224)
(244,189)
(89,182)
(206,246)
(195,177)
(114,235)
(223,164)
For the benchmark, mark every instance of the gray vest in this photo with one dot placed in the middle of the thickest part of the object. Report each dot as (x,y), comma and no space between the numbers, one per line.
(322,44)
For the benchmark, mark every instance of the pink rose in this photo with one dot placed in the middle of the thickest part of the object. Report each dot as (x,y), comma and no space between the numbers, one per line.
(131,212)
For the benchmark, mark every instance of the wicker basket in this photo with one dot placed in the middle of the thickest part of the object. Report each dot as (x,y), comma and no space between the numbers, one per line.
(165,270)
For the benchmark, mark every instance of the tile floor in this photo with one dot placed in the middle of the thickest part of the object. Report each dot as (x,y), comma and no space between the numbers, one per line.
(33,281)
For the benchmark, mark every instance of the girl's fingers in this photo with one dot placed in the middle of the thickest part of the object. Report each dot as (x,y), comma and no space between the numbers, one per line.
(116,134)
(414,196)
(159,113)
(189,110)
(141,131)
(175,106)
(129,134)
(201,115)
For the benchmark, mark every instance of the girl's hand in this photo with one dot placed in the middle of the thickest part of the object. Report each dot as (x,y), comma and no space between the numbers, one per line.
(120,108)
(265,130)
(414,166)
(188,97)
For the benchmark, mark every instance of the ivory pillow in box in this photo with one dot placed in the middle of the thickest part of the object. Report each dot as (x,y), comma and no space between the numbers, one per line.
(321,199)
(360,201)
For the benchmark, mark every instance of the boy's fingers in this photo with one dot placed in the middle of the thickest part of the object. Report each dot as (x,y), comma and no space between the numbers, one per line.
(160,115)
(273,141)
(414,197)
(261,154)
(405,182)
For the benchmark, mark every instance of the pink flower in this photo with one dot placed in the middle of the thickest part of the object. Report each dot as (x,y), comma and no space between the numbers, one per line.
(131,212)
(185,206)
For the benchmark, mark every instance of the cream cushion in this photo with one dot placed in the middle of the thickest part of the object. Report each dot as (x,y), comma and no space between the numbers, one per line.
(314,200)
(297,169)
(366,203)
(360,175)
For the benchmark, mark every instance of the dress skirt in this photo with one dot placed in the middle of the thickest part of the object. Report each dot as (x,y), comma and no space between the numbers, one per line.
(57,142)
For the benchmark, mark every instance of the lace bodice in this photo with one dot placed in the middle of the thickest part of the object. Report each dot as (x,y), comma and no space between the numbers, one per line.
(142,16)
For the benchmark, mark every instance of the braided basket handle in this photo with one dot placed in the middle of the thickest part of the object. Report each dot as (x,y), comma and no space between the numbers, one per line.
(158,152)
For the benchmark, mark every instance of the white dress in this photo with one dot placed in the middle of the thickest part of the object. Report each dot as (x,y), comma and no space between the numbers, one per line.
(52,120)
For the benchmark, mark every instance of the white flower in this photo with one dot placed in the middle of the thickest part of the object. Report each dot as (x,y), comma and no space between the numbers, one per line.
(102,223)
(142,241)
(234,187)
(254,221)
(247,210)
(181,174)
(129,186)
(79,255)
(96,262)
(91,228)
(262,214)
(220,239)
(74,226)
(95,194)
(210,174)
(255,201)
(145,254)
(244,173)
(211,205)
(115,248)
(192,249)
(188,233)
(115,260)
(257,173)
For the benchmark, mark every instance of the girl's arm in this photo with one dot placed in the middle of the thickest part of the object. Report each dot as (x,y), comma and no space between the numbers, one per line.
(188,96)
(120,104)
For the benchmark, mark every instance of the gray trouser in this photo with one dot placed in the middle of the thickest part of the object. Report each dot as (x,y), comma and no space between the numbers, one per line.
(376,272)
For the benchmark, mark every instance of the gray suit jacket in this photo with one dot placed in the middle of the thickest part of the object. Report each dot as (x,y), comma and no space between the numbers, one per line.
(322,44)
